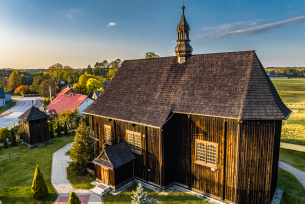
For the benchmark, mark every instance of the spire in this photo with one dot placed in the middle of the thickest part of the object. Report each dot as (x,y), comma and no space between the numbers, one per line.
(183,49)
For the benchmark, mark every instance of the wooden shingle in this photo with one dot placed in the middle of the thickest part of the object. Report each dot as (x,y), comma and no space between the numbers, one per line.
(230,85)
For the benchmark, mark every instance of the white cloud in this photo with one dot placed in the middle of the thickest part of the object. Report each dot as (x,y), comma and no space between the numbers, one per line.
(69,16)
(244,28)
(111,24)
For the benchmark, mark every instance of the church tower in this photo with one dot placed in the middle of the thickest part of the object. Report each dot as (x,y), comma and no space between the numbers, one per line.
(183,49)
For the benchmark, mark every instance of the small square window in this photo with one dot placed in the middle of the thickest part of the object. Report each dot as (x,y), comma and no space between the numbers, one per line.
(206,153)
(134,141)
(108,134)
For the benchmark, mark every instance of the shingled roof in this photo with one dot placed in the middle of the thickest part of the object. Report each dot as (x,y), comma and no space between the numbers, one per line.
(33,113)
(115,156)
(230,85)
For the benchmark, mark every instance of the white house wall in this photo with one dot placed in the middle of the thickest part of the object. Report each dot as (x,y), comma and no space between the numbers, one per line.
(84,105)
(7,97)
(2,102)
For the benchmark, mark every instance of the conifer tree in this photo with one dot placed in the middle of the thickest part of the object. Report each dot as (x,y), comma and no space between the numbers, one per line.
(51,130)
(73,198)
(82,151)
(39,187)
(66,129)
(58,129)
(13,139)
(5,145)
(139,196)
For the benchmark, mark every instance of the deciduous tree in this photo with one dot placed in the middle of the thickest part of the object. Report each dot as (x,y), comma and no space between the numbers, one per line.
(22,89)
(15,80)
(150,55)
(94,84)
(68,116)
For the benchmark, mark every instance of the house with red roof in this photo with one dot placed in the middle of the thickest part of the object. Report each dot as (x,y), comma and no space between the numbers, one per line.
(70,101)
(68,91)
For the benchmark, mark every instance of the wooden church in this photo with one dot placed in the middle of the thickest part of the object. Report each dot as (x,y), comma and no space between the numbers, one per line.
(210,123)
(35,126)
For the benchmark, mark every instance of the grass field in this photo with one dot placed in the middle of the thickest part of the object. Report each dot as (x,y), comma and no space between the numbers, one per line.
(80,182)
(12,104)
(292,92)
(16,174)
(174,197)
(293,158)
(294,192)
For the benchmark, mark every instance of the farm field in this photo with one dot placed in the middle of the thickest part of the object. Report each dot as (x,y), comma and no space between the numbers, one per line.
(292,92)
(16,174)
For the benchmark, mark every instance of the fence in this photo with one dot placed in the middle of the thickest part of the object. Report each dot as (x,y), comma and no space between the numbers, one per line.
(14,125)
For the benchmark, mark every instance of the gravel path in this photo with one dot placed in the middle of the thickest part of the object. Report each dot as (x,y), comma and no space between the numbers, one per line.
(62,185)
(300,175)
(22,105)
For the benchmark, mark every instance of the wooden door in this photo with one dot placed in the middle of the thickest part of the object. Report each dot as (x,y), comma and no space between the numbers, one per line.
(105,176)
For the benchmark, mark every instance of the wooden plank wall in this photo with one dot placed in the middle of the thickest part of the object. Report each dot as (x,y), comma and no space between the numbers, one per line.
(38,131)
(180,134)
(147,165)
(258,157)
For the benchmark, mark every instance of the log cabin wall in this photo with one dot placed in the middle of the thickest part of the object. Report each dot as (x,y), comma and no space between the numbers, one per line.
(180,134)
(26,131)
(221,181)
(147,164)
(36,131)
(258,160)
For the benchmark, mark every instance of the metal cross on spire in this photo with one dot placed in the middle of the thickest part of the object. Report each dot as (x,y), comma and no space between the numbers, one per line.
(183,7)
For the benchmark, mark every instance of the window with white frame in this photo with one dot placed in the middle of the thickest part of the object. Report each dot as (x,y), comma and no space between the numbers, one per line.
(134,141)
(206,153)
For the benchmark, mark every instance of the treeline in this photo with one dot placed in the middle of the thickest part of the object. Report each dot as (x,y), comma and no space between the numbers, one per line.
(286,71)
(57,77)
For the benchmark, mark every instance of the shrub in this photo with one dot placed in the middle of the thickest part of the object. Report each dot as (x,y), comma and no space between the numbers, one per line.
(3,134)
(13,138)
(73,198)
(58,129)
(139,196)
(66,129)
(39,187)
(5,145)
(51,130)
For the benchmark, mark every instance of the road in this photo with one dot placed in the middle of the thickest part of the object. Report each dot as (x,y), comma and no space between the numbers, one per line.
(10,116)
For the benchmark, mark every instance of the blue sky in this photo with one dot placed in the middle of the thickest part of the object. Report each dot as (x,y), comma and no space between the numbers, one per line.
(39,33)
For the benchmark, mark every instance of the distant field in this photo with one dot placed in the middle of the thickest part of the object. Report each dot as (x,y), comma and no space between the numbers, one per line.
(292,92)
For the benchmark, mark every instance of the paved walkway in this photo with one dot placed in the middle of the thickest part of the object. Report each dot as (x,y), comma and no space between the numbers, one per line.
(62,185)
(295,147)
(300,175)
(10,116)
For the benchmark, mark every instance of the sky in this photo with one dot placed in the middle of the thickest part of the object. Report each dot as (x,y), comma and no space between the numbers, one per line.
(40,33)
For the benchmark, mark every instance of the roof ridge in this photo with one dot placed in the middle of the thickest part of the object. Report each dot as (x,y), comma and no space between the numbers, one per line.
(244,96)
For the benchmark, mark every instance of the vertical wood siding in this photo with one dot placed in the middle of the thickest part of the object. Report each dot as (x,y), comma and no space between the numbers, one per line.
(147,164)
(36,131)
(259,149)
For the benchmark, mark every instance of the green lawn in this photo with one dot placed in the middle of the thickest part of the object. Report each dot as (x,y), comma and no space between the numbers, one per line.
(293,158)
(174,197)
(16,174)
(294,192)
(292,92)
(80,182)
(11,104)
